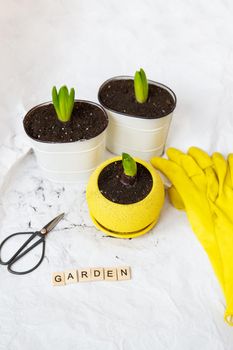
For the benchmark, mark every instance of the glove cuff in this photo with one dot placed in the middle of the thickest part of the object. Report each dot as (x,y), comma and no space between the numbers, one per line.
(228,317)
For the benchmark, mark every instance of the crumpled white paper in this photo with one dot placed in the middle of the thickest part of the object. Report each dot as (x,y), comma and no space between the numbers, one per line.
(173,300)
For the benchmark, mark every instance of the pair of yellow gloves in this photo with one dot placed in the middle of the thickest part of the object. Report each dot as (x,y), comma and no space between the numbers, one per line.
(202,185)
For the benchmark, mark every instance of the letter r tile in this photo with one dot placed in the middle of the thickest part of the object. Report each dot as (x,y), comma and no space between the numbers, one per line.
(84,275)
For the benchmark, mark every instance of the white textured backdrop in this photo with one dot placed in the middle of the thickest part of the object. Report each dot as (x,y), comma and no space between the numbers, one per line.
(173,301)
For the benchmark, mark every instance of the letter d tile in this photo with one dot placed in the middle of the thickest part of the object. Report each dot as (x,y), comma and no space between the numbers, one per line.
(97,274)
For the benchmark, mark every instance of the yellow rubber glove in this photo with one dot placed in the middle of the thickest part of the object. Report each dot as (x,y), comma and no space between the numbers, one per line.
(222,206)
(196,187)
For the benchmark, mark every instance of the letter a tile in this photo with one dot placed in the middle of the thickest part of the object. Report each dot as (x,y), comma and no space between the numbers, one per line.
(71,276)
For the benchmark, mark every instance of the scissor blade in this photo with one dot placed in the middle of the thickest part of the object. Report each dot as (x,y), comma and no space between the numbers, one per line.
(47,228)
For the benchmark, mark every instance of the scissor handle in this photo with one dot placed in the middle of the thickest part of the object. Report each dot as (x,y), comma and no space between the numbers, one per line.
(17,256)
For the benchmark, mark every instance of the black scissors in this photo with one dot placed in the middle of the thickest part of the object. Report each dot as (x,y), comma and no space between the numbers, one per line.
(22,252)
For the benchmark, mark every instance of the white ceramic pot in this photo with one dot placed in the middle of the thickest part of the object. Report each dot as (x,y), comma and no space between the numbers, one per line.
(140,137)
(70,161)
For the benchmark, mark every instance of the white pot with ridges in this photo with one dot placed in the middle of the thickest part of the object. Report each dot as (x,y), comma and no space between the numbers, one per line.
(142,136)
(67,160)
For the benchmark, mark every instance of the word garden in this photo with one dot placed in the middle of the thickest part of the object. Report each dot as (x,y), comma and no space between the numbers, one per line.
(91,274)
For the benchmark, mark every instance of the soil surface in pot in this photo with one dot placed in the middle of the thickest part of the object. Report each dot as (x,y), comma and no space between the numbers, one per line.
(119,96)
(112,188)
(87,121)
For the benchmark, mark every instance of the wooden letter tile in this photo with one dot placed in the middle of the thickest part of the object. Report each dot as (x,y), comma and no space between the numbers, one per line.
(110,274)
(123,273)
(71,276)
(58,279)
(97,274)
(84,275)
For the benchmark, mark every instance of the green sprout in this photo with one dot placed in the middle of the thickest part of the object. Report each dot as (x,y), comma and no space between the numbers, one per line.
(63,102)
(140,86)
(129,165)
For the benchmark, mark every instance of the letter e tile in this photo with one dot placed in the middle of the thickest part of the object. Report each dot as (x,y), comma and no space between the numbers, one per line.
(110,274)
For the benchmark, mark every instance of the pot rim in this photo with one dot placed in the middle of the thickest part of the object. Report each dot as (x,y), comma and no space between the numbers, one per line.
(127,77)
(103,165)
(65,143)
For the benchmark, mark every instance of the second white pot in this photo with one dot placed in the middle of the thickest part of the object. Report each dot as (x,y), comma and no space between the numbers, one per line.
(140,137)
(71,161)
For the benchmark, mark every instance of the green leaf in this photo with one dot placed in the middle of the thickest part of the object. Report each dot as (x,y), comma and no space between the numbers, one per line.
(71,101)
(129,165)
(63,102)
(144,83)
(56,101)
(138,88)
(54,96)
(141,86)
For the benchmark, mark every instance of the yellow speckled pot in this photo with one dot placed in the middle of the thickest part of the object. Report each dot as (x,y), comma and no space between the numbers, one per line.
(125,220)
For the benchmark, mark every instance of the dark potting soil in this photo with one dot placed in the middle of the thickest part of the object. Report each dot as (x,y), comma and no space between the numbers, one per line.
(119,96)
(87,121)
(112,188)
